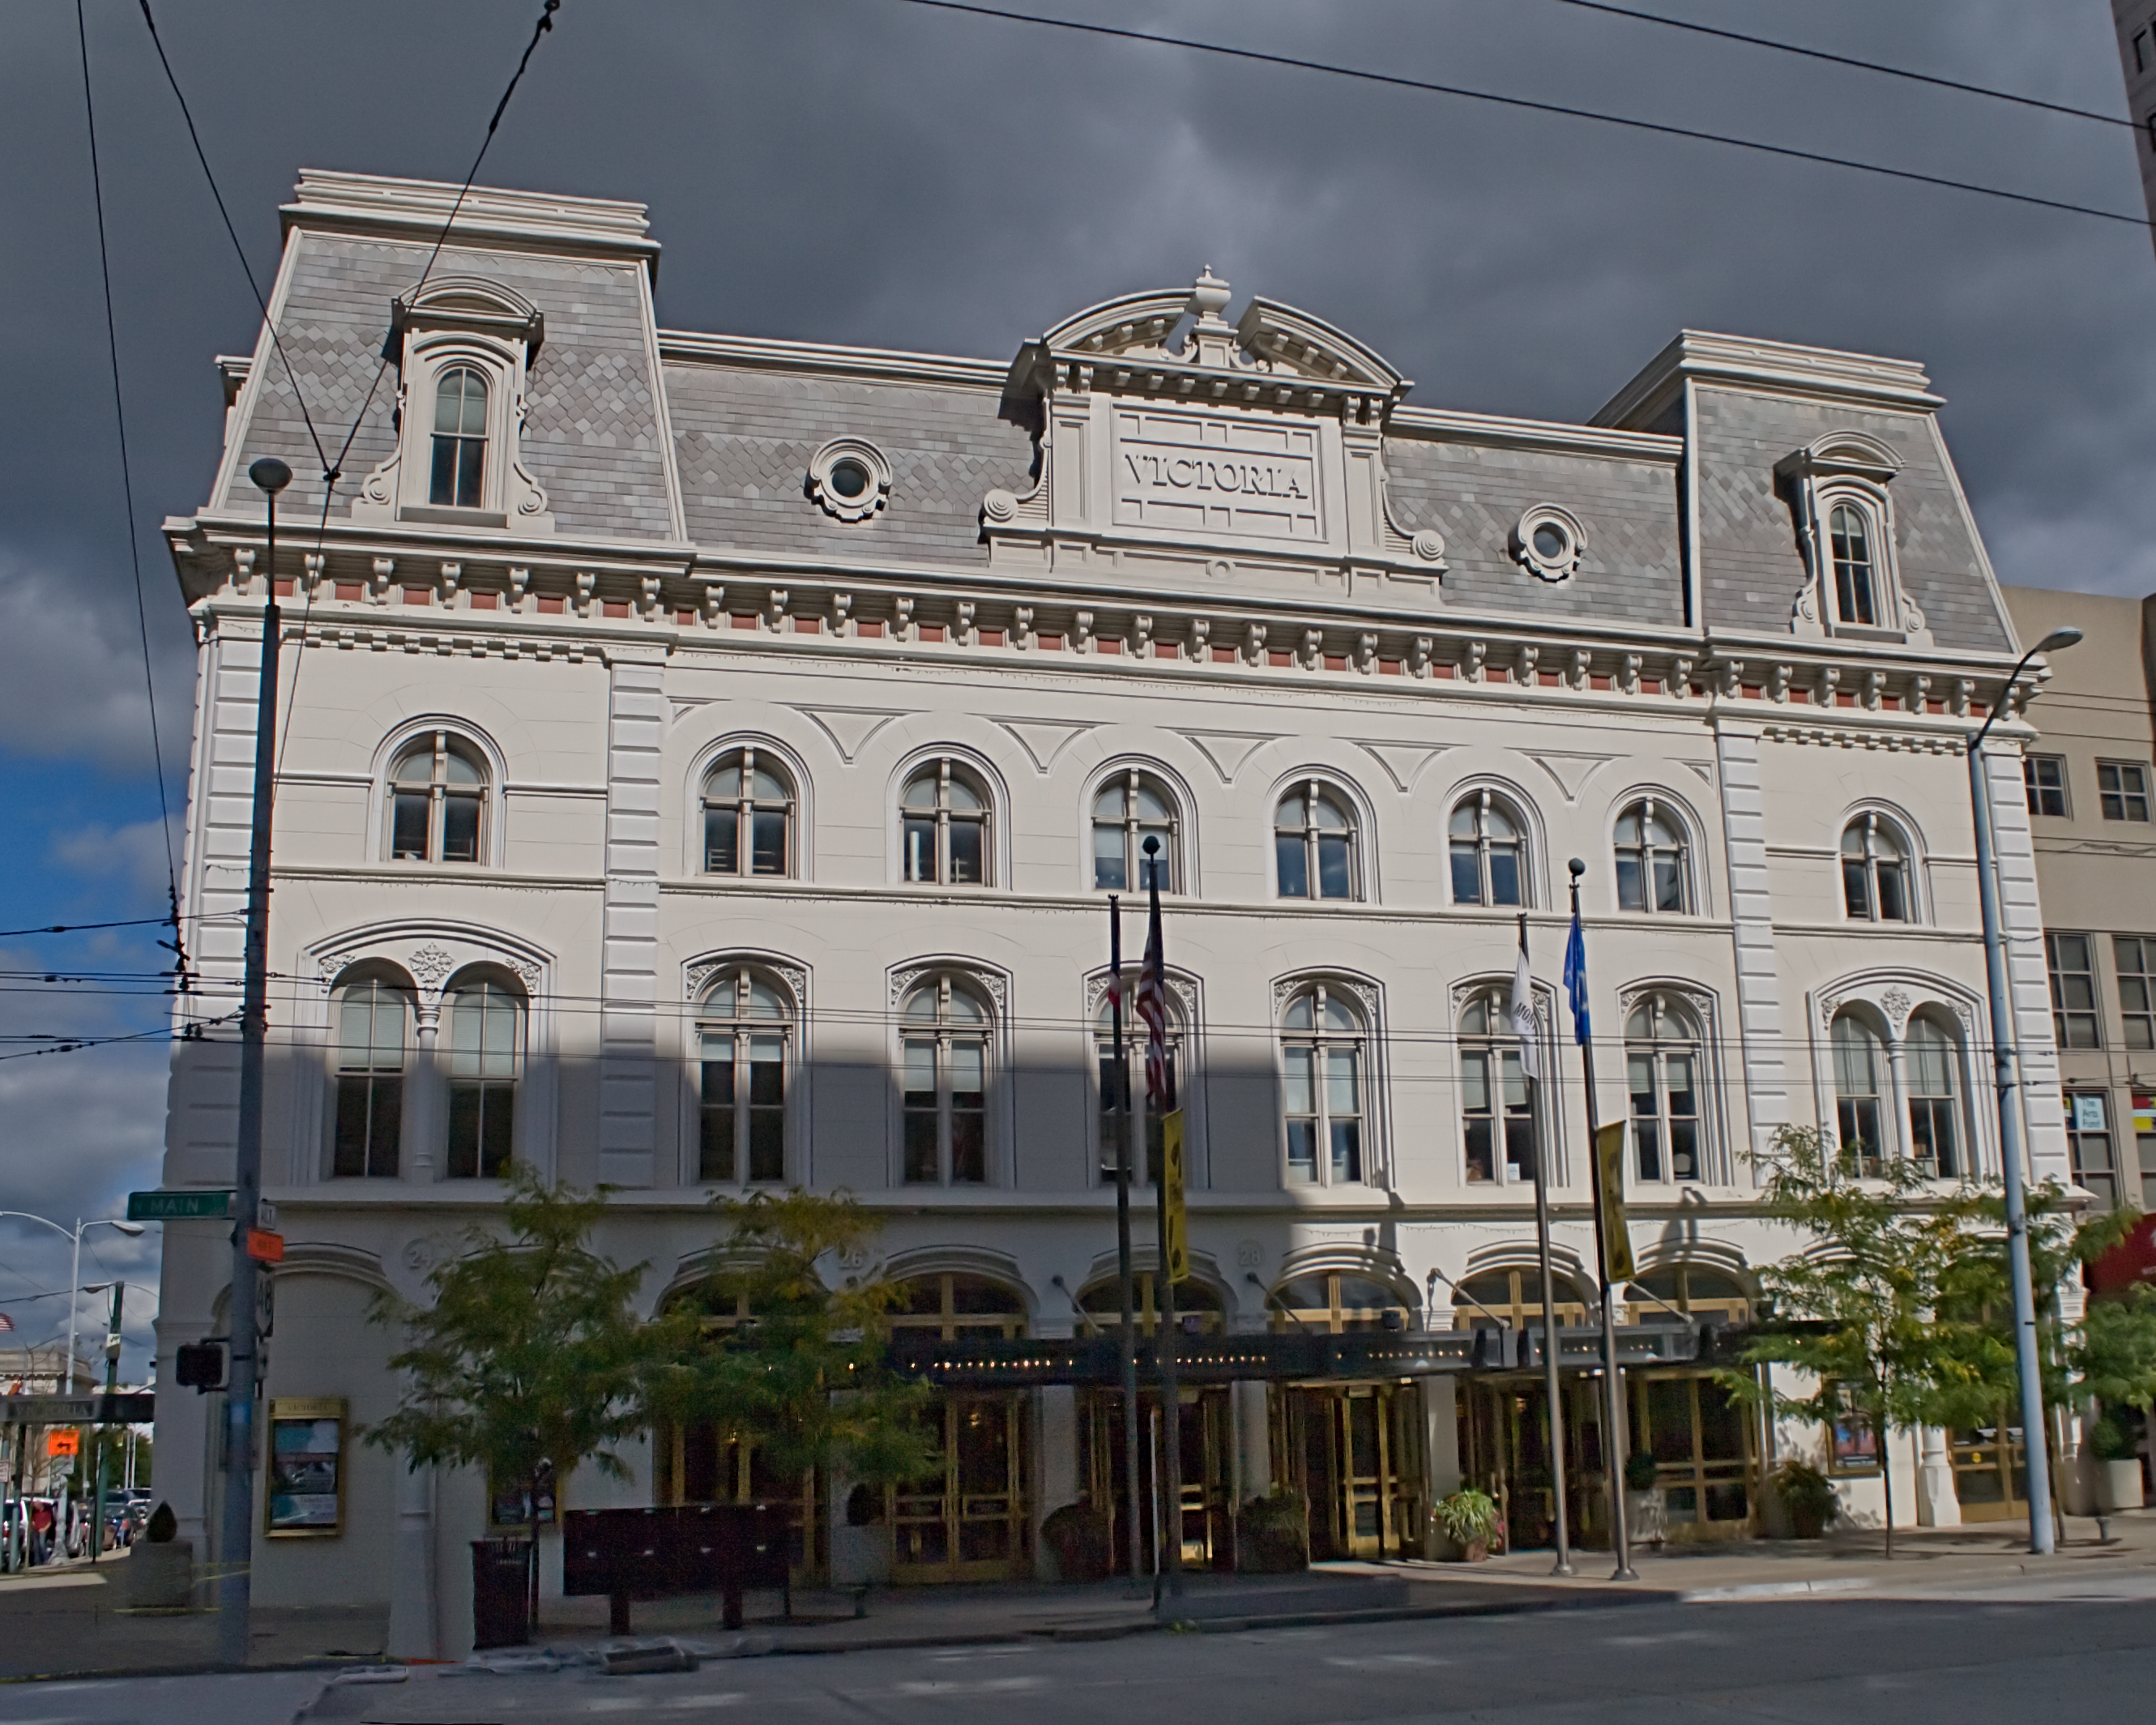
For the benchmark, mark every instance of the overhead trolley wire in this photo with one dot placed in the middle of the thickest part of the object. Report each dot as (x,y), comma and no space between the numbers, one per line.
(1564,110)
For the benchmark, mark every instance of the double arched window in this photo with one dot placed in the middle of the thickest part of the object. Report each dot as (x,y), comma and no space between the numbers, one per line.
(745,1029)
(457,477)
(943,1037)
(1324,1051)
(1874,871)
(437,802)
(1903,1097)
(1314,845)
(748,817)
(944,827)
(1860,1093)
(1128,1085)
(486,1065)
(1132,808)
(1487,865)
(1662,1064)
(1654,866)
(1497,1113)
(373,1032)
(1935,1117)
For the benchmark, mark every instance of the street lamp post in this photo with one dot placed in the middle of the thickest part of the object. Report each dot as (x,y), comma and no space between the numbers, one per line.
(2006,1064)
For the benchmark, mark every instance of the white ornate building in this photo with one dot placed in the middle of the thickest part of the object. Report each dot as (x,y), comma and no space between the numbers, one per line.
(709,759)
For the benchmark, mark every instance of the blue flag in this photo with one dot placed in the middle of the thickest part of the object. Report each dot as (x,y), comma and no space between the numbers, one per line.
(1575,980)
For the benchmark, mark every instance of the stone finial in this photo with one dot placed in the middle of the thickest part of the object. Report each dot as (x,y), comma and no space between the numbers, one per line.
(1208,294)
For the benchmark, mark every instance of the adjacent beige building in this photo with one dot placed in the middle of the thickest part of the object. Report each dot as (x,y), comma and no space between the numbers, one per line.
(2091,785)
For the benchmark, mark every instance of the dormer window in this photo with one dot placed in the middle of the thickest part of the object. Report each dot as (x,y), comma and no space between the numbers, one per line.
(459,465)
(1836,487)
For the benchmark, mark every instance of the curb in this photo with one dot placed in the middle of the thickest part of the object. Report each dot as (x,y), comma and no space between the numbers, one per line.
(1779,1589)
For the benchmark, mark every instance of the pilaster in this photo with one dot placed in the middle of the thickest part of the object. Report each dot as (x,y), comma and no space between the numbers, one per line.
(628,1022)
(1751,917)
(2028,978)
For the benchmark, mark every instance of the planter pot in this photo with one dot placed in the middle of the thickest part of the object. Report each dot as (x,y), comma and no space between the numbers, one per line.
(1270,1550)
(161,1578)
(2119,1484)
(1647,1517)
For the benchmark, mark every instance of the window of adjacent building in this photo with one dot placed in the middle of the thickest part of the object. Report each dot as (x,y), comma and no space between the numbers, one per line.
(1485,838)
(458,475)
(943,827)
(748,818)
(1653,871)
(2043,778)
(1935,1108)
(438,803)
(1860,1092)
(2089,1146)
(2122,790)
(373,1018)
(1850,534)
(2135,956)
(1314,845)
(1874,871)
(1662,1064)
(1323,1043)
(1496,1114)
(744,1029)
(1132,808)
(1129,1084)
(2071,960)
(944,1038)
(486,1059)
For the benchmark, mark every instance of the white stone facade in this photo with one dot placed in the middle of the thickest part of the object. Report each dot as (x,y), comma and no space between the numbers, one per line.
(1225,557)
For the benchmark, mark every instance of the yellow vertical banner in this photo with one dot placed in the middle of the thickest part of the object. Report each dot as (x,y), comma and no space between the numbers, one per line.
(1171,1176)
(1616,1231)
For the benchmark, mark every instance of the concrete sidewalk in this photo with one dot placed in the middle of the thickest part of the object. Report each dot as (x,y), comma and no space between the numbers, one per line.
(71,1620)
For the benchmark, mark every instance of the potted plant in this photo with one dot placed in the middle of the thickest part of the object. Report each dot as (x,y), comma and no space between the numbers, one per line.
(1646,1505)
(1083,1540)
(2118,1465)
(1808,1496)
(1272,1534)
(1469,1519)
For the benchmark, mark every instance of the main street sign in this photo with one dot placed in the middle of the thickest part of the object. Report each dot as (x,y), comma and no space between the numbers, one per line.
(178,1206)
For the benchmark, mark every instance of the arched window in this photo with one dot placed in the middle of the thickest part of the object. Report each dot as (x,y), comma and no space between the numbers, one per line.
(486,1059)
(748,818)
(1339,1302)
(954,1306)
(1132,1078)
(1323,1041)
(1874,871)
(1514,1299)
(1314,845)
(1653,871)
(944,1034)
(1486,869)
(437,802)
(1662,1063)
(1935,1128)
(373,1020)
(1693,1290)
(1856,588)
(943,821)
(459,476)
(1860,1088)
(1199,1310)
(1496,1114)
(1132,808)
(745,1027)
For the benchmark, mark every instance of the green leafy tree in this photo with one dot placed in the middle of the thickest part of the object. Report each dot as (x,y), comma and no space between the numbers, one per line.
(805,1377)
(1858,1309)
(531,1353)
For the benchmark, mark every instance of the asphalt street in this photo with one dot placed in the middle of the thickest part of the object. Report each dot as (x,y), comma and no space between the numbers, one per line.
(2032,1651)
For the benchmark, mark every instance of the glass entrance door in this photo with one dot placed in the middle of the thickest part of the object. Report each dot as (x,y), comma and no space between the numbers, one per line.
(1504,1449)
(1988,1470)
(965,1519)
(1701,1441)
(1208,1435)
(1356,1453)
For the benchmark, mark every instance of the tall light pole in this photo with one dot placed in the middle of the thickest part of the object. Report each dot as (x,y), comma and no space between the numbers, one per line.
(235,1546)
(2006,1064)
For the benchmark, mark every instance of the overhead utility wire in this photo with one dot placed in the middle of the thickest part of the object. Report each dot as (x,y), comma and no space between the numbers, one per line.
(1397,81)
(1845,60)
(126,476)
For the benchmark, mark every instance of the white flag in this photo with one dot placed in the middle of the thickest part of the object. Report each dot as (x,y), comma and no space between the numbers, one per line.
(1523,1015)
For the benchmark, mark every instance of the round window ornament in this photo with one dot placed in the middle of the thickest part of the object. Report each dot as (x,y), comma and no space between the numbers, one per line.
(1548,543)
(849,478)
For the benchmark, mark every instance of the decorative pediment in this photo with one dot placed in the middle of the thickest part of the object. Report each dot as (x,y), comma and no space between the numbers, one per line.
(468,302)
(1850,455)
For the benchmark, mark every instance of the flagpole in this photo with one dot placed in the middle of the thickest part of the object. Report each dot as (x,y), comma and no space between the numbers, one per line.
(1124,1117)
(1613,1392)
(1550,1342)
(1169,1570)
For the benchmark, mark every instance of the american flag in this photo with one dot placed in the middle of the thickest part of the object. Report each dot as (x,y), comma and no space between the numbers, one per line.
(1152,1008)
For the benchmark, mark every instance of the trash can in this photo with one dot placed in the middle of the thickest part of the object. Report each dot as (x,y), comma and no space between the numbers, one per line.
(501,1584)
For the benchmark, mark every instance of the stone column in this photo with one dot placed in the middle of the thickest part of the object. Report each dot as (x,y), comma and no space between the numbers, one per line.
(1254,1441)
(426,1117)
(414,1627)
(1937,1503)
(1056,1410)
